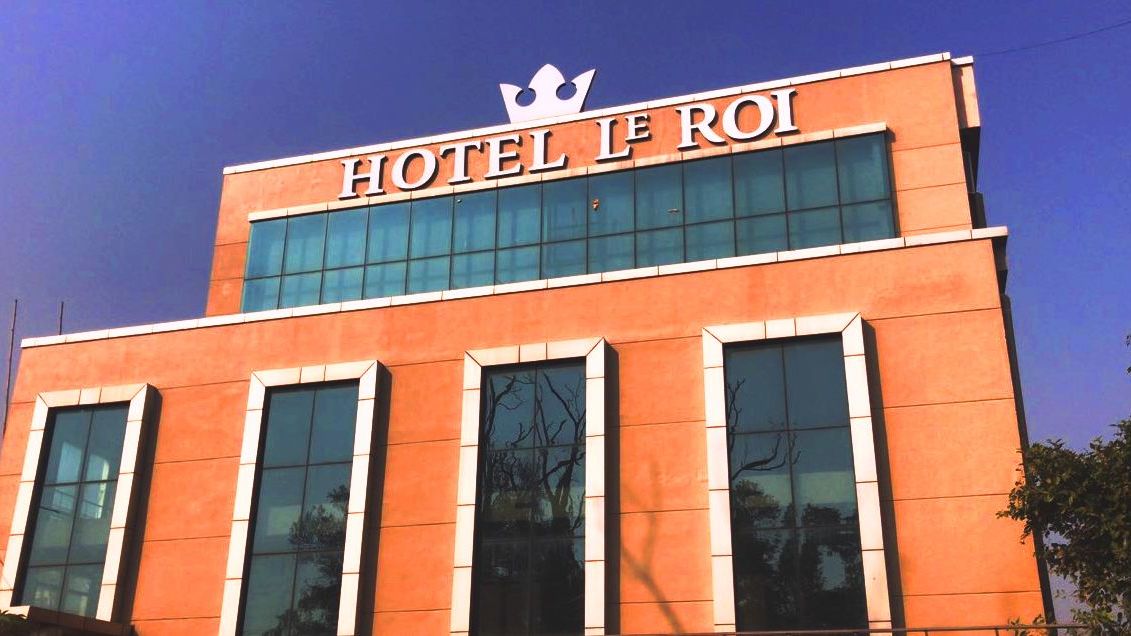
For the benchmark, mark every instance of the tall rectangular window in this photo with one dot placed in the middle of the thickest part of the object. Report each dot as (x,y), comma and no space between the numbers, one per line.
(297,537)
(72,509)
(528,573)
(794,522)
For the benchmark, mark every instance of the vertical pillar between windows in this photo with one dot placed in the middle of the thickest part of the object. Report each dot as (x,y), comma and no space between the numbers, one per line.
(873,561)
(366,372)
(139,396)
(593,350)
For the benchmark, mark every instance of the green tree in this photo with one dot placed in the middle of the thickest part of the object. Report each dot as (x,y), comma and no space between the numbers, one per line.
(1079,504)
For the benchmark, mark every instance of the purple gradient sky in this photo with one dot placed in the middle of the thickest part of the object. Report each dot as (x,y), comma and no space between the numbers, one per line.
(117,118)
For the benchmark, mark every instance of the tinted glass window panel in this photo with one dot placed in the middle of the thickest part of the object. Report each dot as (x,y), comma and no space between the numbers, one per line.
(318,587)
(269,592)
(260,294)
(659,247)
(510,483)
(306,240)
(862,168)
(69,432)
(288,434)
(502,586)
(758,183)
(563,259)
(92,523)
(475,221)
(707,192)
(613,195)
(388,233)
(762,234)
(710,240)
(43,586)
(810,176)
(557,506)
(563,209)
(80,589)
(813,228)
(867,221)
(508,410)
(761,489)
(659,196)
(831,584)
(520,214)
(558,590)
(763,575)
(473,270)
(824,482)
(300,289)
(755,388)
(335,415)
(278,510)
(610,253)
(428,274)
(345,238)
(561,405)
(382,281)
(53,524)
(104,449)
(815,383)
(342,284)
(431,233)
(265,248)
(517,264)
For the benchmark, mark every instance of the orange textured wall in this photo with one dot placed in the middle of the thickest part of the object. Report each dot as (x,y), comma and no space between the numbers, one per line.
(941,381)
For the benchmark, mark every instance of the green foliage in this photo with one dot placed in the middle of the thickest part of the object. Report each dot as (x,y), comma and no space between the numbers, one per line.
(13,624)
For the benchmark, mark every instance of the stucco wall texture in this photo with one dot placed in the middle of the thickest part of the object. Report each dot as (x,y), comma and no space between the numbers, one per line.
(942,385)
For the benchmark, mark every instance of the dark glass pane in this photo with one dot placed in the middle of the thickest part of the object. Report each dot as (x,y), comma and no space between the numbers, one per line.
(508,409)
(707,194)
(520,213)
(475,221)
(306,238)
(831,581)
(260,294)
(760,495)
(755,390)
(428,274)
(269,587)
(507,493)
(288,427)
(300,289)
(69,432)
(558,489)
(810,176)
(612,193)
(814,380)
(814,228)
(342,284)
(710,240)
(473,270)
(80,589)
(92,523)
(758,184)
(518,264)
(659,196)
(318,587)
(324,510)
(659,247)
(563,209)
(265,248)
(382,281)
(862,168)
(388,233)
(764,593)
(867,221)
(561,405)
(335,412)
(277,513)
(53,523)
(563,259)
(762,234)
(42,587)
(104,450)
(431,227)
(610,253)
(824,483)
(502,572)
(345,238)
(558,588)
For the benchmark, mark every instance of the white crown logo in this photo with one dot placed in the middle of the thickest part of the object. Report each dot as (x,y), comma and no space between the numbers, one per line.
(545,85)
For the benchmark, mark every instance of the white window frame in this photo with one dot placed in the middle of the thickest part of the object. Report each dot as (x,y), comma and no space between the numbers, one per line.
(139,396)
(850,327)
(367,373)
(593,351)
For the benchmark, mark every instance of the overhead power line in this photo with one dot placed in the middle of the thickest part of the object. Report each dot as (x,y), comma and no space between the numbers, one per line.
(1069,38)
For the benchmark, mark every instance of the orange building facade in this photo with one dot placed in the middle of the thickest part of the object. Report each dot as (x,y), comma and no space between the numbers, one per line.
(928,390)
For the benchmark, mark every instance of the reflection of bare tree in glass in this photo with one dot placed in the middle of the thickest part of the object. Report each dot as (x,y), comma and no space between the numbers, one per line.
(318,535)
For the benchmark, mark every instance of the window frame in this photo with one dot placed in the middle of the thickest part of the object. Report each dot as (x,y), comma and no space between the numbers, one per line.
(850,328)
(140,398)
(593,352)
(367,373)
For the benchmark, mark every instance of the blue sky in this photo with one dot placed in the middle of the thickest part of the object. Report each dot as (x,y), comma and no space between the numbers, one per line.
(116,120)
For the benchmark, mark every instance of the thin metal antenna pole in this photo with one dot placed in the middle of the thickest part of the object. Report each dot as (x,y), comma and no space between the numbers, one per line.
(62,303)
(11,351)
